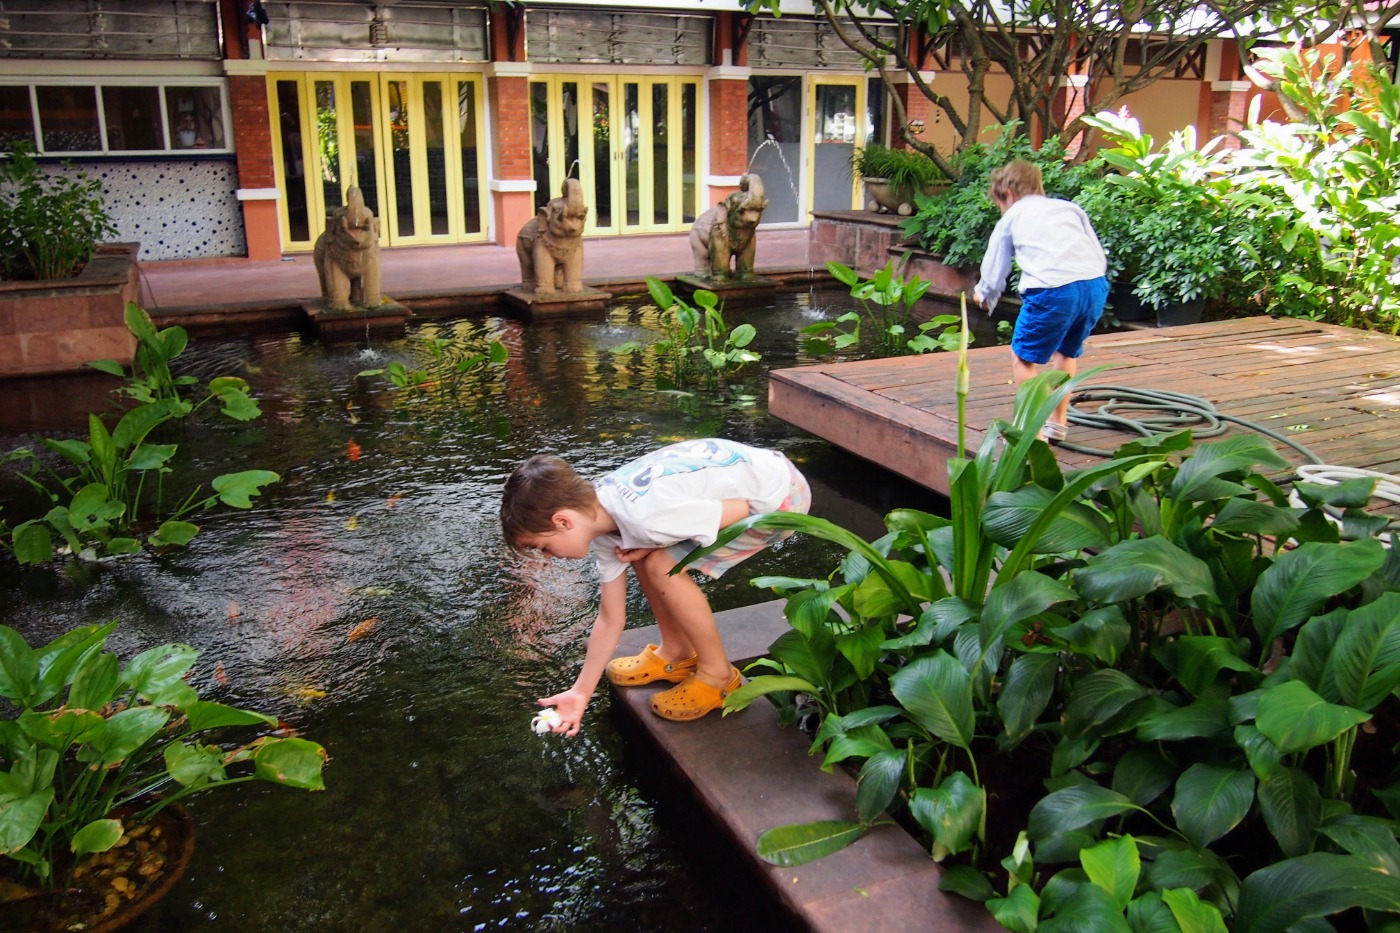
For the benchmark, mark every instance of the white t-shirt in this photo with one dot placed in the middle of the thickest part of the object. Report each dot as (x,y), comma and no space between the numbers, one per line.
(674,494)
(1051,240)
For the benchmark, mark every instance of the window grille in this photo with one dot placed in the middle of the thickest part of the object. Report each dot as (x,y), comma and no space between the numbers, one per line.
(84,29)
(357,31)
(570,36)
(797,43)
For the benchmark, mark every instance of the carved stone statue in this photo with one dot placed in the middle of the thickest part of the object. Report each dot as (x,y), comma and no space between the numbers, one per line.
(725,232)
(347,256)
(550,246)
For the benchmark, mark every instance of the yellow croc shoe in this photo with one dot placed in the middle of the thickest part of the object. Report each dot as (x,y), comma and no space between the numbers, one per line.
(646,667)
(692,698)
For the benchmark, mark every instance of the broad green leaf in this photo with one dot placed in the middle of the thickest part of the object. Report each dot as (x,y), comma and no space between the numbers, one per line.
(62,727)
(937,692)
(1369,838)
(1303,579)
(1100,633)
(94,682)
(153,671)
(60,658)
(97,836)
(1073,807)
(1027,595)
(952,813)
(1197,660)
(878,782)
(1114,865)
(194,765)
(1284,894)
(762,686)
(1009,515)
(1018,910)
(1192,914)
(236,489)
(1292,807)
(1082,908)
(206,715)
(967,882)
(810,658)
(33,544)
(1295,719)
(1251,517)
(800,843)
(125,732)
(1143,773)
(1202,719)
(174,533)
(150,456)
(134,426)
(1263,755)
(1026,692)
(1190,868)
(19,667)
(862,648)
(1100,702)
(293,762)
(1201,476)
(21,817)
(1132,569)
(1210,801)
(1148,913)
(1366,659)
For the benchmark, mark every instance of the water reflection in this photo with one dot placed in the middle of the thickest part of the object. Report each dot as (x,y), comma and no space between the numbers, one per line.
(443,811)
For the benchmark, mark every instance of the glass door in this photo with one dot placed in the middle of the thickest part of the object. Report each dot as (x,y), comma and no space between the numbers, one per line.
(412,143)
(632,144)
(837,116)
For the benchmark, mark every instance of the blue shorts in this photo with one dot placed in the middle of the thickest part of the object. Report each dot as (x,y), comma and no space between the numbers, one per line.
(1058,320)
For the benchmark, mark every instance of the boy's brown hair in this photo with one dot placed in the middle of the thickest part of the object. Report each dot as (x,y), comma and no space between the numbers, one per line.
(1016,178)
(537,489)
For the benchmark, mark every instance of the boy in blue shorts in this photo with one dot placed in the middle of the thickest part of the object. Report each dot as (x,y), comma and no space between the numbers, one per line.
(1063,284)
(647,515)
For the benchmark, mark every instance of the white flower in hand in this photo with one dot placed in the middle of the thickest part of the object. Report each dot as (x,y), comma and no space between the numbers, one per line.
(545,720)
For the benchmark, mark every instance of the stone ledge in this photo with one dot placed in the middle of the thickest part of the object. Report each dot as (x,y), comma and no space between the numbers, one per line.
(751,774)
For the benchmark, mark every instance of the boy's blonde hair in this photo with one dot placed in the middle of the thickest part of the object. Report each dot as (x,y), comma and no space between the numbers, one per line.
(1016,179)
(537,489)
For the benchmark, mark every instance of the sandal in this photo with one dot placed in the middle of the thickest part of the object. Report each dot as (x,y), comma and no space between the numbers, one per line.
(693,698)
(1054,431)
(645,667)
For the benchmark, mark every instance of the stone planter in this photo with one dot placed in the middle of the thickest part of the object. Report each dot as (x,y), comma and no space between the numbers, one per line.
(882,196)
(57,325)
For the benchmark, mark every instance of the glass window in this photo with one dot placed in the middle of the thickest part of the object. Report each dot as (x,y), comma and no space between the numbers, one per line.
(196,117)
(16,117)
(133,118)
(68,118)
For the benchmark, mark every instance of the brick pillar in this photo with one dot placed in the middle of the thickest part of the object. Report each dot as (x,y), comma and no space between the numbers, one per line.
(1225,104)
(1069,105)
(728,90)
(918,110)
(252,139)
(512,185)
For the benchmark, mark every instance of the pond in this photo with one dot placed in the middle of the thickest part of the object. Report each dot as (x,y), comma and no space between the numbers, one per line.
(368,600)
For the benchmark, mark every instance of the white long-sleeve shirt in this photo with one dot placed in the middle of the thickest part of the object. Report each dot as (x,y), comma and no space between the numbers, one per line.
(1050,239)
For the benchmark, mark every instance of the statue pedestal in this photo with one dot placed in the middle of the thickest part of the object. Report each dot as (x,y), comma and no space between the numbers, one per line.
(557,304)
(753,287)
(387,319)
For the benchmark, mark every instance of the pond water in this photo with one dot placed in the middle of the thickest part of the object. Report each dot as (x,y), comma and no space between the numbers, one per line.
(443,812)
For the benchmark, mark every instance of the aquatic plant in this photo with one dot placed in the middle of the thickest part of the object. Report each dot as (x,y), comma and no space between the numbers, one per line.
(93,749)
(887,301)
(50,225)
(698,343)
(446,368)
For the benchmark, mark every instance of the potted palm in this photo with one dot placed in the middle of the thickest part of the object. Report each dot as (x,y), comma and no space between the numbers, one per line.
(893,177)
(95,755)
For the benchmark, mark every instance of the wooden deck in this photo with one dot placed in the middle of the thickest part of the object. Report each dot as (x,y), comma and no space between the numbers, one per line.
(1334,390)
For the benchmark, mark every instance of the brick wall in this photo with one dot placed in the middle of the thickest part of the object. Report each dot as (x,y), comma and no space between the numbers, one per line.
(729,127)
(252,129)
(510,126)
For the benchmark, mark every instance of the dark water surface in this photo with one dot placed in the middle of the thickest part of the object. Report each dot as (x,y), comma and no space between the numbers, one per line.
(443,811)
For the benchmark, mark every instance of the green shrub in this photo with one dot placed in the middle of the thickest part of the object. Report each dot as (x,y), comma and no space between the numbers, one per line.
(49,224)
(905,169)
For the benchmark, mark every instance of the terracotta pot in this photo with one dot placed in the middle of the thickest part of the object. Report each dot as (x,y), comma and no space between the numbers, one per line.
(55,912)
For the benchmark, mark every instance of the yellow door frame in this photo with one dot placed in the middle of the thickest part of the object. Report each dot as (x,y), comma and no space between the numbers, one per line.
(450,129)
(815,83)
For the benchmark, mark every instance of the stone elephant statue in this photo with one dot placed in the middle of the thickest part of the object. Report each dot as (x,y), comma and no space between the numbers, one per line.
(724,234)
(550,246)
(347,256)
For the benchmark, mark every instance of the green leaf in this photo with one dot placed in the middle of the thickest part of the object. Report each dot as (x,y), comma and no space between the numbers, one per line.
(1018,910)
(878,782)
(1073,807)
(967,882)
(174,533)
(1210,801)
(1295,719)
(937,692)
(194,765)
(292,761)
(1292,808)
(1027,594)
(1303,579)
(97,836)
(762,686)
(62,727)
(236,489)
(203,715)
(33,544)
(150,456)
(1114,865)
(1205,718)
(1081,908)
(1101,702)
(1192,914)
(19,667)
(1249,516)
(152,672)
(800,843)
(124,733)
(1132,569)
(1009,515)
(1284,894)
(1026,692)
(94,682)
(21,817)
(1196,660)
(952,813)
(1366,658)
(1200,476)
(1143,773)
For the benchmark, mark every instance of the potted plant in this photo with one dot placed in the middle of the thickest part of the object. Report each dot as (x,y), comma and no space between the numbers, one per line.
(91,752)
(1174,240)
(894,177)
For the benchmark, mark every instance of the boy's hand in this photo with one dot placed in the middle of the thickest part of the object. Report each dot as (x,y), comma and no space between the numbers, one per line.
(570,706)
(632,555)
